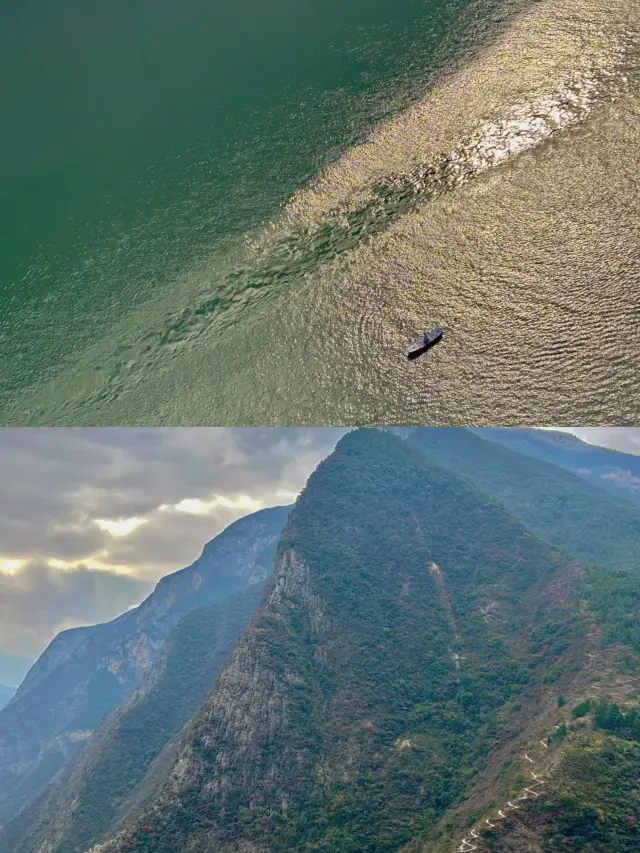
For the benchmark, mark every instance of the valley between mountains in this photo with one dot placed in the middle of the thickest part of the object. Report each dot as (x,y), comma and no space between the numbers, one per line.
(437,648)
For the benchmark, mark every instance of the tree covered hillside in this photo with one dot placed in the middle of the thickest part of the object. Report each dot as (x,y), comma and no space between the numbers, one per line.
(589,802)
(565,509)
(407,616)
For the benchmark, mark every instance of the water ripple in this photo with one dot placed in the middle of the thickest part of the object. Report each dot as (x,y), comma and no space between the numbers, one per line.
(300,252)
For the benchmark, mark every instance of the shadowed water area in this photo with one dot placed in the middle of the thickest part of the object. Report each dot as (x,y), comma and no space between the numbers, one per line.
(218,215)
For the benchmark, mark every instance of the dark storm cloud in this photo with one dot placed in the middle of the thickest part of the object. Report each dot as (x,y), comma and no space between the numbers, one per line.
(57,484)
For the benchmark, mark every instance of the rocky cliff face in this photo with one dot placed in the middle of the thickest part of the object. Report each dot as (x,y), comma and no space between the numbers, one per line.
(412,629)
(86,672)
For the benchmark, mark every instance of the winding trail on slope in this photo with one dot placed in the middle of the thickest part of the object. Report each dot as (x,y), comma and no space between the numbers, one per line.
(465,845)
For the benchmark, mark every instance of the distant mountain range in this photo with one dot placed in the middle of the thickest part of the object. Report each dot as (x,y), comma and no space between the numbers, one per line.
(611,469)
(445,656)
(85,672)
(133,746)
(553,501)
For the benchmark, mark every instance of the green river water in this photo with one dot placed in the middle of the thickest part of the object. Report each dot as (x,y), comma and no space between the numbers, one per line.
(241,213)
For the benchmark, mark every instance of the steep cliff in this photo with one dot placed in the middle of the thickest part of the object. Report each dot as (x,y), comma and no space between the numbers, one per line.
(86,672)
(413,635)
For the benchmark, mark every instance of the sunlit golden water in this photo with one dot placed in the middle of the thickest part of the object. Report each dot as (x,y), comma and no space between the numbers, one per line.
(502,207)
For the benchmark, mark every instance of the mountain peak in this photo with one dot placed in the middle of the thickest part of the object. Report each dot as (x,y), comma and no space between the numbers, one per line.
(391,572)
(417,654)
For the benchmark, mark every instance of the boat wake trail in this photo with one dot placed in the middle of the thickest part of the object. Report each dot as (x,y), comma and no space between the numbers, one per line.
(276,260)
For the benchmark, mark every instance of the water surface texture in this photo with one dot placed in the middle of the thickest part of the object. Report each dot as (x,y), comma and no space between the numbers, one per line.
(242,213)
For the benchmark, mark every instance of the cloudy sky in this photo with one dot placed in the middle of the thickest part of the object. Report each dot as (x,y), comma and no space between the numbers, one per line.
(90,519)
(626,439)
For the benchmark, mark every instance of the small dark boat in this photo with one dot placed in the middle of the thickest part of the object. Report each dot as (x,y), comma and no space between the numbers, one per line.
(421,345)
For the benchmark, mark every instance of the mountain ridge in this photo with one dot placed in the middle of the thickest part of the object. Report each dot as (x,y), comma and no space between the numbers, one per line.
(101,782)
(616,471)
(416,655)
(381,544)
(552,501)
(85,672)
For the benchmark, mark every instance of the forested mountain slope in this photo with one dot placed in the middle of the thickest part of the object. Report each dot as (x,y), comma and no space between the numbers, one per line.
(414,635)
(575,789)
(589,800)
(565,509)
(86,672)
(613,470)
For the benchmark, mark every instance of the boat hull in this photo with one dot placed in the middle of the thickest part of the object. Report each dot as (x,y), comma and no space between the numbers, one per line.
(421,347)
